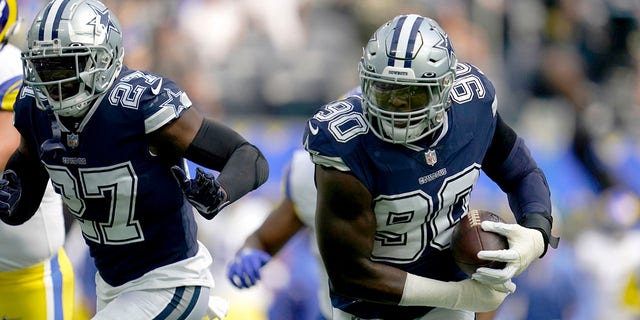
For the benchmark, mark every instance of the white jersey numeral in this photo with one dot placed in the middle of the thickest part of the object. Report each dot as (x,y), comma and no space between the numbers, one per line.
(117,184)
(407,221)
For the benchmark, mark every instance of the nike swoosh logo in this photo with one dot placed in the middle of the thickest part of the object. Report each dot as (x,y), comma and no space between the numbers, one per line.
(314,130)
(156,89)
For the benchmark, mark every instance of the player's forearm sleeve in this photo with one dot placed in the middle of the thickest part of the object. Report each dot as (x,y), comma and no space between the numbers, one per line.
(33,179)
(246,170)
(241,165)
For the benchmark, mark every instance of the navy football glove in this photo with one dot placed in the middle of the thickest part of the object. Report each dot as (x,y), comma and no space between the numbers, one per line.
(9,193)
(203,192)
(244,272)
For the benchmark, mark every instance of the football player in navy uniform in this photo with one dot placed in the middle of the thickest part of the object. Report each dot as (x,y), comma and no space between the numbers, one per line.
(394,170)
(113,142)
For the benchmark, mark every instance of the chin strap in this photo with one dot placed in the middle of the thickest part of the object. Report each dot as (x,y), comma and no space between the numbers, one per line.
(52,148)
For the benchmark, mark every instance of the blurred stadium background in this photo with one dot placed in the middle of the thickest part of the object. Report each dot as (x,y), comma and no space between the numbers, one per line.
(567,78)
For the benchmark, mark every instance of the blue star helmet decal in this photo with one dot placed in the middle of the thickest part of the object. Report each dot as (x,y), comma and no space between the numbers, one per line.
(103,19)
(444,42)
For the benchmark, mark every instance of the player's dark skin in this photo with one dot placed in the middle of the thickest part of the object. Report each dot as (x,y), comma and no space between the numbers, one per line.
(180,133)
(279,226)
(346,227)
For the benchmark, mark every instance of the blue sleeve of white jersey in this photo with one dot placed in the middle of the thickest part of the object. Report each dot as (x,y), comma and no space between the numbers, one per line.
(286,181)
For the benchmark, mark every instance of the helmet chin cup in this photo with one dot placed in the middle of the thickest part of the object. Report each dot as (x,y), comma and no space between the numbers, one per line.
(52,149)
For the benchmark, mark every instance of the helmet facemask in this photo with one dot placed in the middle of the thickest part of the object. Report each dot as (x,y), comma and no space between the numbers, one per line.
(70,77)
(404,113)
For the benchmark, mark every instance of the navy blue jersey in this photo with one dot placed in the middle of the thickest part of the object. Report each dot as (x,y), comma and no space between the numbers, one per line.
(420,190)
(132,212)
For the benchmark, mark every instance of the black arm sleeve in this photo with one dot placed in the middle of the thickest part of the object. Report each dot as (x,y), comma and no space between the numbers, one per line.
(33,180)
(241,165)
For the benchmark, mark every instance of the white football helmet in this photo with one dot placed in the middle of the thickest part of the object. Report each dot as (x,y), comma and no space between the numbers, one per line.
(74,54)
(406,73)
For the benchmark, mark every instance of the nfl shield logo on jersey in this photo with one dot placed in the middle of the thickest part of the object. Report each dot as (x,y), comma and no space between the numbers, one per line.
(430,157)
(72,140)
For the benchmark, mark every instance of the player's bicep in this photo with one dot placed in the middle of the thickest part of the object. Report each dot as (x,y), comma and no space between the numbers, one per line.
(344,220)
(178,135)
(280,226)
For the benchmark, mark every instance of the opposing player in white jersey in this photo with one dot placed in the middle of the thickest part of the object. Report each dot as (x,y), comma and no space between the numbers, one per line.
(36,277)
(295,211)
(114,141)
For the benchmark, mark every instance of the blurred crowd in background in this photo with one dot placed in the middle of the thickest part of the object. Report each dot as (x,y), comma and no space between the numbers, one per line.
(567,76)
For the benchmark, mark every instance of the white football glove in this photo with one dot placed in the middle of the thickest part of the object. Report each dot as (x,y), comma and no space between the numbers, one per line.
(217,308)
(479,297)
(525,245)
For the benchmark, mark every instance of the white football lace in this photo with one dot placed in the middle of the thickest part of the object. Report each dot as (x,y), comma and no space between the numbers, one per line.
(474,218)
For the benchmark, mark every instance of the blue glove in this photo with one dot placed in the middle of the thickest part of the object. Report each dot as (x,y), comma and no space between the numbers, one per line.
(203,192)
(9,193)
(244,272)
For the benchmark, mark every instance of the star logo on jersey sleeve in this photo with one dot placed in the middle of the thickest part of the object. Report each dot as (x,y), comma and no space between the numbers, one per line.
(177,100)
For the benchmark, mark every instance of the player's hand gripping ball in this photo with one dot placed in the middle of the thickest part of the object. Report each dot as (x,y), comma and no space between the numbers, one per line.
(468,239)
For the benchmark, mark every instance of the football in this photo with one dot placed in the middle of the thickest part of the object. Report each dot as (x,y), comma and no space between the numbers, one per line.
(468,239)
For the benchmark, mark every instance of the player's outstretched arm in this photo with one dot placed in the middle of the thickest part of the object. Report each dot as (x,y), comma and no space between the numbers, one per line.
(213,145)
(346,229)
(281,224)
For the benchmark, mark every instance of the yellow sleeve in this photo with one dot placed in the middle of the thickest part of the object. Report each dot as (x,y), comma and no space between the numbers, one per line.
(9,93)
